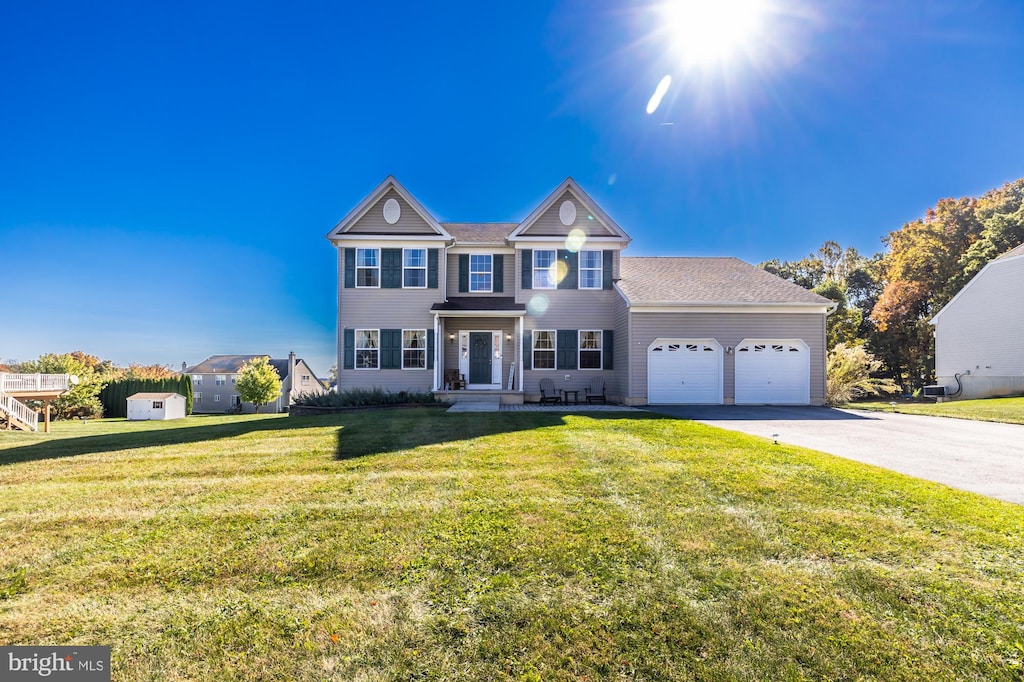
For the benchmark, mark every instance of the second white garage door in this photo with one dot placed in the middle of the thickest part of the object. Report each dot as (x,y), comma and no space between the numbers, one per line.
(684,371)
(773,372)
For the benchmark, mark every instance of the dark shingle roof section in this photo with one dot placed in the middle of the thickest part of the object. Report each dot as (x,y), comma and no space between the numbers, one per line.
(232,364)
(480,303)
(480,233)
(671,281)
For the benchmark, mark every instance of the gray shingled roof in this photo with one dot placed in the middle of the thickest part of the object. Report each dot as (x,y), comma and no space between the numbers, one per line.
(671,281)
(1016,251)
(479,233)
(222,364)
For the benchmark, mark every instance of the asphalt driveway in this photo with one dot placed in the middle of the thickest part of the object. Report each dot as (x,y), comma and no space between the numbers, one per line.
(982,457)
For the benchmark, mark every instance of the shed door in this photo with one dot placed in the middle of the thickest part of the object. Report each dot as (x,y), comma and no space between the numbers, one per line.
(684,371)
(773,372)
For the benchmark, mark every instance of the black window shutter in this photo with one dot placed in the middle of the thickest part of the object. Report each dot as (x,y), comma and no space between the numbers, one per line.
(571,260)
(527,268)
(350,268)
(607,349)
(432,268)
(350,347)
(606,269)
(566,349)
(391,268)
(463,272)
(391,349)
(528,350)
(498,273)
(430,348)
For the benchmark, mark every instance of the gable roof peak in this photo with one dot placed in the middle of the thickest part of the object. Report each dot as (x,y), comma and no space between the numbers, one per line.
(568,185)
(389,183)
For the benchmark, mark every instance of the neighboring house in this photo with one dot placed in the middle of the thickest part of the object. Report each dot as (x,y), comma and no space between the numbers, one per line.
(142,406)
(506,305)
(213,383)
(979,334)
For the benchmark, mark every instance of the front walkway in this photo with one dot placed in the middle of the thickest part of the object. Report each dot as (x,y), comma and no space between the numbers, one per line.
(582,407)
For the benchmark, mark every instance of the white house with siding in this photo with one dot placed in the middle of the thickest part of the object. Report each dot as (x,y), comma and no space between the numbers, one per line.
(159,406)
(979,334)
(504,305)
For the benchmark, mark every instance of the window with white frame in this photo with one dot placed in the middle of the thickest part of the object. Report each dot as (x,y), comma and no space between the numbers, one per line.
(367,267)
(197,379)
(414,268)
(543,269)
(216,398)
(198,397)
(591,270)
(305,380)
(236,400)
(221,379)
(414,349)
(367,349)
(480,272)
(158,404)
(543,350)
(590,349)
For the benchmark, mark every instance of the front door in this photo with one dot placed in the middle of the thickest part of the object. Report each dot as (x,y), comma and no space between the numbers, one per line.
(480,357)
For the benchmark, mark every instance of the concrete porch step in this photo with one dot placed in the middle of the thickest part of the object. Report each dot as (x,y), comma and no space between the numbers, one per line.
(478,403)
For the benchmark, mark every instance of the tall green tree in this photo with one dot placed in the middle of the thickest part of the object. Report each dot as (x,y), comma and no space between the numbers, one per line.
(258,382)
(83,398)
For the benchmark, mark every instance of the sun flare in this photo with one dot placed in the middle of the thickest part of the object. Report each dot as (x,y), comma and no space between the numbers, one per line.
(709,31)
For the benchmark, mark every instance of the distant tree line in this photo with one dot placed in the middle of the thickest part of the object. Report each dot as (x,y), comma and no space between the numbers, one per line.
(884,301)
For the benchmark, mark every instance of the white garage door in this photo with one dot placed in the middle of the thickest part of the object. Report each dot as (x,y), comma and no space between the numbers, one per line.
(684,371)
(773,372)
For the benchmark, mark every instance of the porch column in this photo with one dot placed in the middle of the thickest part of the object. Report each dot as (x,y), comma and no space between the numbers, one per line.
(522,352)
(46,423)
(438,352)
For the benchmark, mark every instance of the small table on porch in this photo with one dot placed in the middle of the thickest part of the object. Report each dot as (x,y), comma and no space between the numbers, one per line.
(575,395)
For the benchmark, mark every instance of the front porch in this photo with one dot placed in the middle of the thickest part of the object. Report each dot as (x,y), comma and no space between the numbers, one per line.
(480,341)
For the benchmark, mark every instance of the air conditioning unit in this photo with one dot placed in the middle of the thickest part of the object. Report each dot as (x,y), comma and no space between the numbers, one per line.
(934,391)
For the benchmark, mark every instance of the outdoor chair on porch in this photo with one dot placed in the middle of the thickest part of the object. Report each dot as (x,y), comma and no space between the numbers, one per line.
(595,392)
(454,381)
(548,394)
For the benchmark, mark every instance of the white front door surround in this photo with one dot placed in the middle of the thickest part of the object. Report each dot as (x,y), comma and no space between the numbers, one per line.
(494,350)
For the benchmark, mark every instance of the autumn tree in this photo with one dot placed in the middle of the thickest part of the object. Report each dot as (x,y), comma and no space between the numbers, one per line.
(92,373)
(258,382)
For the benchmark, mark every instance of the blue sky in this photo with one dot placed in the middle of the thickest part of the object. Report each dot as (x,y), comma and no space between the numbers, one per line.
(168,171)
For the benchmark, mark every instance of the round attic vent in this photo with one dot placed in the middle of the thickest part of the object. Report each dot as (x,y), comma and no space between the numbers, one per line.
(392,211)
(567,213)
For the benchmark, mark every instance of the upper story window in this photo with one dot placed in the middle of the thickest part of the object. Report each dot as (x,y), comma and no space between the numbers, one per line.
(414,349)
(197,379)
(414,268)
(198,397)
(543,350)
(543,269)
(367,267)
(221,379)
(591,274)
(305,380)
(480,278)
(367,349)
(590,349)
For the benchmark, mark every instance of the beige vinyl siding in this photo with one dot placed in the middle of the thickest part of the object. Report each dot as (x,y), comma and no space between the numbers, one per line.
(507,326)
(209,388)
(620,312)
(550,225)
(508,279)
(981,331)
(524,296)
(373,221)
(728,329)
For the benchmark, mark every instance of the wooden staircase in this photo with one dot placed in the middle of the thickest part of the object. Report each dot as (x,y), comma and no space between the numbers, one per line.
(14,414)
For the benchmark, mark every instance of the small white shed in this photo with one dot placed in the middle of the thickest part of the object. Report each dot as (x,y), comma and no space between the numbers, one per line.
(156,406)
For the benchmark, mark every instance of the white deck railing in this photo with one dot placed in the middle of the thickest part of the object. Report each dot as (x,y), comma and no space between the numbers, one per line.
(12,383)
(19,410)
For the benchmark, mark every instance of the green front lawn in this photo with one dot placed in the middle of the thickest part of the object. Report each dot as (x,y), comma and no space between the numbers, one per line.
(1009,410)
(525,546)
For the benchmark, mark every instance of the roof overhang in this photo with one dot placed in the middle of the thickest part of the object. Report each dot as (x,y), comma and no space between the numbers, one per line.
(729,307)
(479,313)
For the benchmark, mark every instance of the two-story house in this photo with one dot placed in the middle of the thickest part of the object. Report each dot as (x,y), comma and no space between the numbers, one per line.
(504,305)
(213,383)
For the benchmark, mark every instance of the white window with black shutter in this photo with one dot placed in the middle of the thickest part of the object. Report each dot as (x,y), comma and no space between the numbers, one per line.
(367,348)
(591,269)
(414,268)
(544,269)
(480,273)
(590,349)
(367,264)
(544,349)
(414,349)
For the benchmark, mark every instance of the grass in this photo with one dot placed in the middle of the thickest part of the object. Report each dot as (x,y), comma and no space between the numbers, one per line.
(510,546)
(1008,410)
